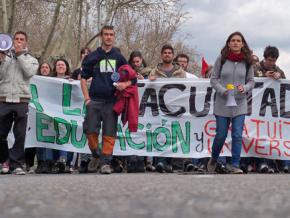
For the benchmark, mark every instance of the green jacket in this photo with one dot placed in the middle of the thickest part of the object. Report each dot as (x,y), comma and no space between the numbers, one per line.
(177,72)
(15,74)
(261,70)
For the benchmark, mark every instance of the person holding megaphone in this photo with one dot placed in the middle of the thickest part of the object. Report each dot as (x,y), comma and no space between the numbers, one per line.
(16,70)
(232,77)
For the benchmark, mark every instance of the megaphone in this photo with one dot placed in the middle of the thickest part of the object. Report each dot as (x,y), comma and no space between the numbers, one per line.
(231,101)
(6,42)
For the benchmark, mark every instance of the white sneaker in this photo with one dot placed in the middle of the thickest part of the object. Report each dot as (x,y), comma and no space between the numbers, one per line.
(5,168)
(18,171)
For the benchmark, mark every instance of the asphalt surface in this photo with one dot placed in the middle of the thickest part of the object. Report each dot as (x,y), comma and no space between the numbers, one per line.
(145,195)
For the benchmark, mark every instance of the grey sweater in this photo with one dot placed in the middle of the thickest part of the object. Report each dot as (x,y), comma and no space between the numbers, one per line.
(234,73)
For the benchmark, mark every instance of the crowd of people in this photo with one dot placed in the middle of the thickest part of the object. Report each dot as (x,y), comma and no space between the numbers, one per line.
(235,68)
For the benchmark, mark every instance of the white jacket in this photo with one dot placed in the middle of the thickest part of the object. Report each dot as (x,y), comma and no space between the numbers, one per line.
(15,74)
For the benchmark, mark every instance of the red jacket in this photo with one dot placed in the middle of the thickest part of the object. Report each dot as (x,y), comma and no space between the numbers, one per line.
(127,100)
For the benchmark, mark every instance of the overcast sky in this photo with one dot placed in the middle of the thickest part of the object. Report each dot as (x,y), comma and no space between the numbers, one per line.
(262,22)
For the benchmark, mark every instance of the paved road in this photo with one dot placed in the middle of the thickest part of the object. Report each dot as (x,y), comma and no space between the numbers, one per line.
(145,195)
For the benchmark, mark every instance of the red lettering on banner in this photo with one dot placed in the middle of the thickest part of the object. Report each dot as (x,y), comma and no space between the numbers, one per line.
(288,147)
(275,130)
(258,147)
(245,130)
(209,145)
(246,149)
(207,128)
(258,122)
(275,147)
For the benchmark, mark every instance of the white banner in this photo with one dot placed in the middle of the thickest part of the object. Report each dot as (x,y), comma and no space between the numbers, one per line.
(175,120)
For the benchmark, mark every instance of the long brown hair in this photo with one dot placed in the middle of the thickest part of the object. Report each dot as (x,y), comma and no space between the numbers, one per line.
(245,50)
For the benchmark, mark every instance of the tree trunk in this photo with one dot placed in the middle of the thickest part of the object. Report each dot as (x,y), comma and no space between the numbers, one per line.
(11,15)
(70,27)
(87,21)
(4,17)
(79,29)
(52,29)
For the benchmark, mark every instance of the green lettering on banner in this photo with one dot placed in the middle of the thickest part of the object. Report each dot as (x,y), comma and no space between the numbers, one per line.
(82,142)
(156,144)
(121,137)
(66,101)
(34,98)
(149,138)
(130,142)
(178,135)
(65,138)
(40,126)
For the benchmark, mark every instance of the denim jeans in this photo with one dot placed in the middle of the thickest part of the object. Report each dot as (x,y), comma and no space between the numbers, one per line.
(44,154)
(285,163)
(222,126)
(59,154)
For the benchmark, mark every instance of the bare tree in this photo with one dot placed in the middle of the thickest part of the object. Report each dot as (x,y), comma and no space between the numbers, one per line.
(59,28)
(52,29)
(7,15)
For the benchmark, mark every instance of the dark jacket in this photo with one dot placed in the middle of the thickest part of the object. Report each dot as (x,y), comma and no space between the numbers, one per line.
(100,66)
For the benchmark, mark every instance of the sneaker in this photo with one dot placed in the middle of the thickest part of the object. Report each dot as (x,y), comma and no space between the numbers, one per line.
(131,167)
(235,170)
(94,165)
(286,169)
(43,167)
(5,168)
(106,169)
(201,168)
(221,169)
(31,170)
(168,168)
(190,167)
(271,170)
(83,167)
(251,169)
(61,165)
(244,168)
(117,165)
(67,169)
(211,165)
(150,167)
(160,167)
(264,168)
(39,167)
(18,171)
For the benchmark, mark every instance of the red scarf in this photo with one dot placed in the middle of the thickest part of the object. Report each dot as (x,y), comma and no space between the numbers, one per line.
(236,57)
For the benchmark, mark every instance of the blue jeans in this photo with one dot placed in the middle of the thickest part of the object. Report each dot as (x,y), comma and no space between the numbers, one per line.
(44,154)
(58,154)
(222,126)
